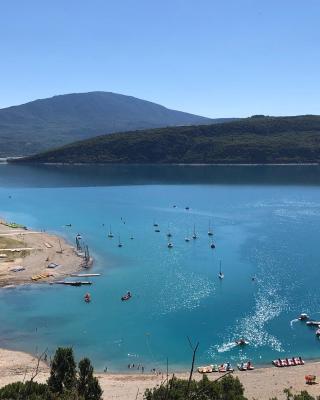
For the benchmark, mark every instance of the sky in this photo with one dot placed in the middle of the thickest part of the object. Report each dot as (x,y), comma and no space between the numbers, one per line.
(217,58)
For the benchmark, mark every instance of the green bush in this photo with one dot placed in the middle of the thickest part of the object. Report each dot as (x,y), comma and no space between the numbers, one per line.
(65,382)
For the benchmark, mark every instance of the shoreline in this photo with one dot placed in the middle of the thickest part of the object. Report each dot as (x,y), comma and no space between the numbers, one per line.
(263,383)
(12,160)
(26,254)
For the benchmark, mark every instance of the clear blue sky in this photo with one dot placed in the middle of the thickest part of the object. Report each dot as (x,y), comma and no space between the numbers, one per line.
(211,57)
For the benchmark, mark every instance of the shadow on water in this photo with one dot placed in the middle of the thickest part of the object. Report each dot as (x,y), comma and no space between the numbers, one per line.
(117,175)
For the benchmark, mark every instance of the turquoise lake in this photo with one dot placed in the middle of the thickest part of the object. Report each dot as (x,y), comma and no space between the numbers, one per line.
(266,223)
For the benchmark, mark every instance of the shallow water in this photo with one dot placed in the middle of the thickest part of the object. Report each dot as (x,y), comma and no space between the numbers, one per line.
(266,225)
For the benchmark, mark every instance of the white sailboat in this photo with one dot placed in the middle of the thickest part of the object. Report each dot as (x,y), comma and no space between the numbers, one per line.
(194,236)
(119,243)
(221,274)
(110,234)
(210,233)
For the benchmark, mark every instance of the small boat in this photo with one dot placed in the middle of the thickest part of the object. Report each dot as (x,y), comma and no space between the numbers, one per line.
(155,224)
(110,234)
(170,245)
(226,368)
(194,236)
(210,233)
(241,342)
(187,208)
(303,317)
(119,243)
(187,239)
(87,298)
(68,225)
(318,332)
(126,297)
(247,366)
(84,275)
(212,245)
(313,323)
(288,362)
(221,274)
(169,235)
(157,230)
(208,369)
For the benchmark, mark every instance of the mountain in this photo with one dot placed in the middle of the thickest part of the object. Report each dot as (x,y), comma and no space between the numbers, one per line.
(43,124)
(257,139)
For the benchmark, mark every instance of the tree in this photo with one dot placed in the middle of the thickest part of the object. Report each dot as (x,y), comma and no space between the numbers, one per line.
(88,386)
(63,371)
(227,388)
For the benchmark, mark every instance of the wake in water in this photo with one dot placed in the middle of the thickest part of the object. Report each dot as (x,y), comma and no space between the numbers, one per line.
(293,321)
(226,347)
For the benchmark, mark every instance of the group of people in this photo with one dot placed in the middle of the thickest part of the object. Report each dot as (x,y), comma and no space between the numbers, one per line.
(139,366)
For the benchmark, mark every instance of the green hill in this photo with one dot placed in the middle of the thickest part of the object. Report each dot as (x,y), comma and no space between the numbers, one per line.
(253,140)
(42,124)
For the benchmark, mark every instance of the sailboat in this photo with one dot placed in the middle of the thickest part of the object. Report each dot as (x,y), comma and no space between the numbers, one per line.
(110,234)
(221,274)
(210,233)
(155,224)
(119,243)
(194,236)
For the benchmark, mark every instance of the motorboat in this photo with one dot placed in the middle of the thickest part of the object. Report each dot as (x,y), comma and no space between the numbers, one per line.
(241,342)
(170,245)
(212,245)
(313,323)
(87,298)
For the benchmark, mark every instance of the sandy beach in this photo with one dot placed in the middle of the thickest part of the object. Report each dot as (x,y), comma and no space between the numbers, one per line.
(262,383)
(26,253)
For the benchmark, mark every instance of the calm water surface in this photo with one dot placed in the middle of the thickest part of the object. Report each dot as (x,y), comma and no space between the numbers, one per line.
(266,224)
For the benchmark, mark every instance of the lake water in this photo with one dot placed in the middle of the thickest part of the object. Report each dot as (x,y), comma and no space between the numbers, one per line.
(266,223)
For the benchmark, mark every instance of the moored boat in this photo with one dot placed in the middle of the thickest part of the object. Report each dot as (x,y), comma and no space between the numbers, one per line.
(73,283)
(246,366)
(221,274)
(288,362)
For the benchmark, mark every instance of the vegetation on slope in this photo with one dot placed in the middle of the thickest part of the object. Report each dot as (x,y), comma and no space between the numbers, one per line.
(42,124)
(253,140)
